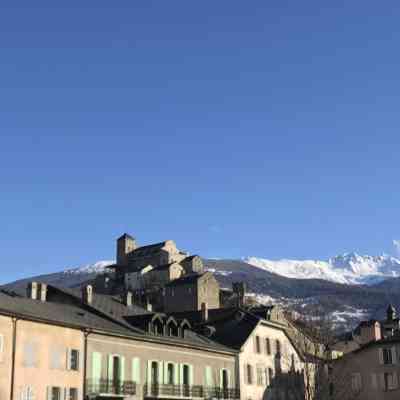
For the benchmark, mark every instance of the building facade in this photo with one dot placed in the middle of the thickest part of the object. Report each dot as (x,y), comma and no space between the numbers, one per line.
(374,369)
(60,344)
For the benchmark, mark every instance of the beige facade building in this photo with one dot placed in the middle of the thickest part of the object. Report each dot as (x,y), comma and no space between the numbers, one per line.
(268,366)
(60,344)
(374,369)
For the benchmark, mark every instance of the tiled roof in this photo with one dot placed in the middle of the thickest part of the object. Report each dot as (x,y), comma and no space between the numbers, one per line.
(64,314)
(188,279)
(146,249)
(105,313)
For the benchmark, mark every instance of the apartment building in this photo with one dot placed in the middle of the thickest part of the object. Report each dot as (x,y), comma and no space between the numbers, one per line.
(374,369)
(268,364)
(59,344)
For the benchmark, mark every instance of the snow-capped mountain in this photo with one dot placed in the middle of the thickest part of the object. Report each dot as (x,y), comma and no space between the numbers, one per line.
(348,268)
(96,268)
(287,282)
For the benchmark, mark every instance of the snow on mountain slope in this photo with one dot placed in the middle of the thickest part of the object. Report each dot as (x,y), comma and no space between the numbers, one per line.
(349,268)
(97,268)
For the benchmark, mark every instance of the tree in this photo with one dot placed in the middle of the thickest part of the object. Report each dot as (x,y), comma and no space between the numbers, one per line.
(314,337)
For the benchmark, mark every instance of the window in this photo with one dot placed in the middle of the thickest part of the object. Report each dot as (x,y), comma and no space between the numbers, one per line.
(270,376)
(387,356)
(55,393)
(154,372)
(27,393)
(278,347)
(292,362)
(72,394)
(390,381)
(30,355)
(268,346)
(225,379)
(74,360)
(170,374)
(356,382)
(249,374)
(260,377)
(257,344)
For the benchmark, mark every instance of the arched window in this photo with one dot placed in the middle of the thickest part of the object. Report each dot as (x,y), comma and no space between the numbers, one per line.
(172,327)
(184,326)
(158,326)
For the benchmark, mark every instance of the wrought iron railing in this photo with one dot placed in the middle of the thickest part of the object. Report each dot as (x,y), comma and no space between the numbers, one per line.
(221,393)
(105,386)
(186,391)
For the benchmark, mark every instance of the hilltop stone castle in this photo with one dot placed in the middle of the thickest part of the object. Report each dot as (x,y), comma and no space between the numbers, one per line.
(161,275)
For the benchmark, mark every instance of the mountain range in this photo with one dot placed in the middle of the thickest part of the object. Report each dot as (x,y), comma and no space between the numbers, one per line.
(349,287)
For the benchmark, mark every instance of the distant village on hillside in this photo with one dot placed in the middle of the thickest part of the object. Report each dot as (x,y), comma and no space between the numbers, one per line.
(157,325)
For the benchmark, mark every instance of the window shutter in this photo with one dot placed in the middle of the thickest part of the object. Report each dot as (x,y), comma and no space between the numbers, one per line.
(374,381)
(122,369)
(1,347)
(149,372)
(181,374)
(176,374)
(209,382)
(63,393)
(245,375)
(166,373)
(380,351)
(394,355)
(395,380)
(382,381)
(228,373)
(160,372)
(221,378)
(110,367)
(191,377)
(68,359)
(96,367)
(136,370)
(78,354)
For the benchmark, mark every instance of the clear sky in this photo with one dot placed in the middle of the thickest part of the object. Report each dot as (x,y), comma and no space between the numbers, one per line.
(236,128)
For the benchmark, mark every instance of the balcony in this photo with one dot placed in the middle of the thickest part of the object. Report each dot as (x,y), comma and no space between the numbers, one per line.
(186,391)
(110,387)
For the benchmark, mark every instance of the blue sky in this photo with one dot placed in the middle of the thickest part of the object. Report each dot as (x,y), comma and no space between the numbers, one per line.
(235,128)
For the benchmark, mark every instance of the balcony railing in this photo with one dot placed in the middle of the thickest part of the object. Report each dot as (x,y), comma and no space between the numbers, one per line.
(110,387)
(186,391)
(221,393)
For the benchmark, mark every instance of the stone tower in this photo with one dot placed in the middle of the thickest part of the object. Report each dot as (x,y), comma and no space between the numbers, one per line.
(125,244)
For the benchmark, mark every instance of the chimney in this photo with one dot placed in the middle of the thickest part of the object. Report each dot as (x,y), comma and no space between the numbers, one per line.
(204,312)
(239,289)
(128,299)
(43,292)
(87,294)
(32,290)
